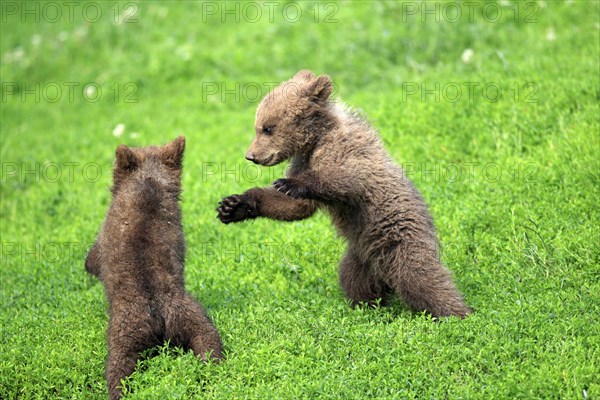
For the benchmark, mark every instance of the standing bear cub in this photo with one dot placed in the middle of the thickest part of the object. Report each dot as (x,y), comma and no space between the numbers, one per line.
(339,164)
(139,256)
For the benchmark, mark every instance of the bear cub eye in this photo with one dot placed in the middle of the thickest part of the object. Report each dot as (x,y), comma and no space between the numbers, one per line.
(267,130)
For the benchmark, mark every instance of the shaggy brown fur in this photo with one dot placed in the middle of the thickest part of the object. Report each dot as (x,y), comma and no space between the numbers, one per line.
(339,164)
(139,256)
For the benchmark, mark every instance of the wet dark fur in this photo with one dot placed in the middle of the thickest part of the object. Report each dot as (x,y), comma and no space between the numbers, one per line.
(339,164)
(139,256)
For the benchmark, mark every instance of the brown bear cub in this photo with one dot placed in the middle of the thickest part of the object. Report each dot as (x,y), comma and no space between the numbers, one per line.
(139,256)
(339,164)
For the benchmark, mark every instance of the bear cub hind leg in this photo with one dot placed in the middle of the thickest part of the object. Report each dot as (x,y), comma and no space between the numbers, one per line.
(425,284)
(125,343)
(360,284)
(188,326)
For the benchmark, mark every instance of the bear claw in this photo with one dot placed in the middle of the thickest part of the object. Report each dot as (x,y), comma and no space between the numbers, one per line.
(291,187)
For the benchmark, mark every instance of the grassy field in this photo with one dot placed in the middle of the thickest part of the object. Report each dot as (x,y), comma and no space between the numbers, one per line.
(492,109)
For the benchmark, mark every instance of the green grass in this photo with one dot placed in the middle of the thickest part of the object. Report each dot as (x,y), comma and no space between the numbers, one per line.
(522,243)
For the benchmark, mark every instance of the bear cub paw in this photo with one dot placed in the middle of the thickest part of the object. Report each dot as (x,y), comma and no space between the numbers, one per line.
(237,208)
(292,187)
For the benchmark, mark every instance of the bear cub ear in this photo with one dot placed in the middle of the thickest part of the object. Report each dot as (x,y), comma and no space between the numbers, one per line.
(172,153)
(319,89)
(126,158)
(304,75)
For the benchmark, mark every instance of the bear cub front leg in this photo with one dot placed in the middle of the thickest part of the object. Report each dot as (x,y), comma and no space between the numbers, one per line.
(92,261)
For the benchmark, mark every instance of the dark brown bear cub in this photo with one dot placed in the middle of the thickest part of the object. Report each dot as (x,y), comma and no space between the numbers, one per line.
(139,256)
(339,164)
